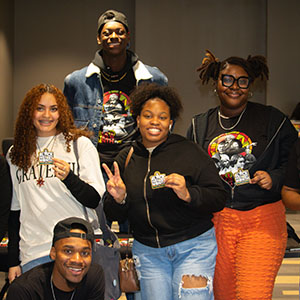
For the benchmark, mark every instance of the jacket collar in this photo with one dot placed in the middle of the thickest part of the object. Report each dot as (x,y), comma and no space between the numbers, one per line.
(172,139)
(92,69)
(141,72)
(139,69)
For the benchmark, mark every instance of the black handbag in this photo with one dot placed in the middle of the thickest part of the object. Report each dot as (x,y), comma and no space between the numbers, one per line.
(106,254)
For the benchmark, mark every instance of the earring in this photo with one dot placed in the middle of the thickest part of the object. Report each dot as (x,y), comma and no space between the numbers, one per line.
(250,95)
(215,92)
(170,127)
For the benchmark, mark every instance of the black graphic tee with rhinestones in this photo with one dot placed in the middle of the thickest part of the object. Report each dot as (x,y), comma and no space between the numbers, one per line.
(235,151)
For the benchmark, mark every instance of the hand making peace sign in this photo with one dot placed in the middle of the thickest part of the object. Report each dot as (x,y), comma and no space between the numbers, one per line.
(115,185)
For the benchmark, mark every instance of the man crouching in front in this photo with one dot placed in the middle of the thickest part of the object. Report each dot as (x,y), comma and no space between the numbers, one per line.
(71,275)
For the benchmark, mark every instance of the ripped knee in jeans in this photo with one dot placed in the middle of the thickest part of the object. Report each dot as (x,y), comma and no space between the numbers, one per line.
(192,281)
(199,286)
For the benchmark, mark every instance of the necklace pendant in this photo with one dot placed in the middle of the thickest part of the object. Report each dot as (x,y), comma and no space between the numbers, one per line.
(40,182)
(45,157)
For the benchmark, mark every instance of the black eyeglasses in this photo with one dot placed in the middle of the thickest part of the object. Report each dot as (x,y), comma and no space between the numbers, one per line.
(242,82)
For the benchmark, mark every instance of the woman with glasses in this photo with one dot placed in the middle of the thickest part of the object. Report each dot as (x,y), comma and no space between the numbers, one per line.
(251,229)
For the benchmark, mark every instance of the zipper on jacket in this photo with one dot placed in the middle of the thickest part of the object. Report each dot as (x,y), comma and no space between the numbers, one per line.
(194,131)
(272,139)
(147,205)
(231,191)
(232,195)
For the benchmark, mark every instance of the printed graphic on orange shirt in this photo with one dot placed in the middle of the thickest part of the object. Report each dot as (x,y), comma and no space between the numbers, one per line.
(232,154)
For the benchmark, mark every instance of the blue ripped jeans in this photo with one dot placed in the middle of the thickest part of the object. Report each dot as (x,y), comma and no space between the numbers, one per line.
(161,269)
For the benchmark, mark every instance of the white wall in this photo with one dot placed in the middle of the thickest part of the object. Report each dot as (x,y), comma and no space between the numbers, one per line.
(173,34)
(283,52)
(54,38)
(44,40)
(6,67)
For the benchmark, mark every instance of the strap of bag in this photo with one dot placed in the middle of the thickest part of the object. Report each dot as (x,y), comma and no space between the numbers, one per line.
(75,146)
(104,228)
(128,157)
(130,152)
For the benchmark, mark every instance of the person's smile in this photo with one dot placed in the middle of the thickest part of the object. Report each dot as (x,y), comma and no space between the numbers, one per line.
(75,270)
(154,130)
(233,94)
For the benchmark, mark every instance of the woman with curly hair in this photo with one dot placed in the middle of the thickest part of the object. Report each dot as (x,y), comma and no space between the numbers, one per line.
(55,172)
(168,191)
(251,229)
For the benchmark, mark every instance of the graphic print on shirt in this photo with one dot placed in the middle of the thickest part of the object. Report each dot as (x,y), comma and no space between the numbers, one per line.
(39,171)
(232,154)
(117,119)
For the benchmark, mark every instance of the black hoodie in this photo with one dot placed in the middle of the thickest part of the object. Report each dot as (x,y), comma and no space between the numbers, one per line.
(156,215)
(280,136)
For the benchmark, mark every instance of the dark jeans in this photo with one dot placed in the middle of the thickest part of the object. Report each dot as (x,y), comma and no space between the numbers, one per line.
(130,296)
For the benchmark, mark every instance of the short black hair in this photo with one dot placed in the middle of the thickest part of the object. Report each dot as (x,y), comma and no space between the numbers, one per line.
(145,92)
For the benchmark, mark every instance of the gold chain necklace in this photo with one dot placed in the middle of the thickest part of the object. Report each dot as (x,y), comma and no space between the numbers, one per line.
(52,289)
(237,122)
(106,76)
(44,157)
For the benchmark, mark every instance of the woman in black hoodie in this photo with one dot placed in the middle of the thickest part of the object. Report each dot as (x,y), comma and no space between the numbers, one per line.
(169,191)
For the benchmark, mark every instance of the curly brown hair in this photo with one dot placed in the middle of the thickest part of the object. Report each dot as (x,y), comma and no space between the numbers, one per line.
(25,135)
(145,92)
(255,66)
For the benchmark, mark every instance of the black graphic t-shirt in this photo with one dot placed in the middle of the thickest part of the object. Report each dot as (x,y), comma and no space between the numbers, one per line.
(118,128)
(118,123)
(235,151)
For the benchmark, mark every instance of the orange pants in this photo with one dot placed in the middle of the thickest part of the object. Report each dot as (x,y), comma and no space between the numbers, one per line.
(251,246)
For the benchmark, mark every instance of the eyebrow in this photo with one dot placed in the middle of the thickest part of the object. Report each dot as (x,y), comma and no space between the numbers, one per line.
(147,110)
(73,247)
(54,105)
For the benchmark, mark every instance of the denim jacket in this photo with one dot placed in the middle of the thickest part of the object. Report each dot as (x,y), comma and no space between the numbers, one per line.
(84,92)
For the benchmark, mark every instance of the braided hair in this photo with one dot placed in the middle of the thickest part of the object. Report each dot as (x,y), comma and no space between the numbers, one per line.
(255,66)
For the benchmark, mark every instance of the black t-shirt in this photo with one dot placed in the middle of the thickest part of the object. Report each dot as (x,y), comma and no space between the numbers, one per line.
(118,127)
(292,178)
(235,150)
(35,285)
